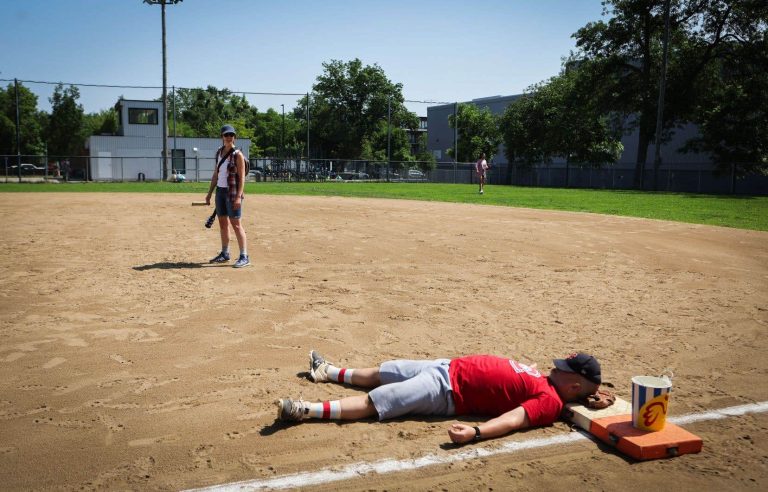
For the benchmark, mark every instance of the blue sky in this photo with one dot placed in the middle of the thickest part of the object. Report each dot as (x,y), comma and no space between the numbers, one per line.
(440,50)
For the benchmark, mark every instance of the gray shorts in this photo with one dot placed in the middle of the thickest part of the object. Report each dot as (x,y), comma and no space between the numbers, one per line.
(413,387)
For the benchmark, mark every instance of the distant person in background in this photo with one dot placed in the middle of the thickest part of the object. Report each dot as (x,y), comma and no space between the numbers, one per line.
(65,169)
(481,166)
(228,181)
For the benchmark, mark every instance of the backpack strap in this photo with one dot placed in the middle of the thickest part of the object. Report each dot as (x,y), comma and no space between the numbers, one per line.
(218,152)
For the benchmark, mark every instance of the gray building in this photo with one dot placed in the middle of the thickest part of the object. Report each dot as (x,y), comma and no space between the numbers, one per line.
(136,150)
(441,138)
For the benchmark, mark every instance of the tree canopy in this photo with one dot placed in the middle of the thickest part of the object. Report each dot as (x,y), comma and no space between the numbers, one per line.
(714,46)
(478,132)
(32,122)
(349,103)
(65,134)
(559,118)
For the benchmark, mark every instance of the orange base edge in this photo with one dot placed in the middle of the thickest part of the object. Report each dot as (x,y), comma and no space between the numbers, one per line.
(669,442)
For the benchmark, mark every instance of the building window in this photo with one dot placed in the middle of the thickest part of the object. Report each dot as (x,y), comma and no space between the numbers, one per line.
(142,116)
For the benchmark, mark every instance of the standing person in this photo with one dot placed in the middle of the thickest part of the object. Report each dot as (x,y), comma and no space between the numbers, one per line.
(228,180)
(65,168)
(515,395)
(481,166)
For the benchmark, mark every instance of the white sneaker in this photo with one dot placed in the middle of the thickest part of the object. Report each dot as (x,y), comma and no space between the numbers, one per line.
(291,411)
(481,192)
(317,367)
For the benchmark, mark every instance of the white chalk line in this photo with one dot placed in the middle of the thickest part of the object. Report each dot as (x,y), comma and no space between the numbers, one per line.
(356,470)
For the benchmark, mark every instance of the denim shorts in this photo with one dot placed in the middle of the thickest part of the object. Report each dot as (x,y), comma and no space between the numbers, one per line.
(413,387)
(224,206)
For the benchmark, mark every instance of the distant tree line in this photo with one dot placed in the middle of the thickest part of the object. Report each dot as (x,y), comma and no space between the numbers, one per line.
(717,79)
(355,112)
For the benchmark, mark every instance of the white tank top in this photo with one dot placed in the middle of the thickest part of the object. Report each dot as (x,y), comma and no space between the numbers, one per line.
(223,173)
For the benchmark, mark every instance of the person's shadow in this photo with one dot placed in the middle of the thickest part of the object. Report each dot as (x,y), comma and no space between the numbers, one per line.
(172,265)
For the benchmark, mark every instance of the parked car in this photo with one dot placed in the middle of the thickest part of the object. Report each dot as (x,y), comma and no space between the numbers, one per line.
(257,173)
(415,174)
(26,168)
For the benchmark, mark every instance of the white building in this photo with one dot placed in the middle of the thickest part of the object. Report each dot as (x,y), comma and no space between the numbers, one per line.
(136,151)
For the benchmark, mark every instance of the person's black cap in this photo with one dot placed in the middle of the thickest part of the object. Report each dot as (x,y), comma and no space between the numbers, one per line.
(583,364)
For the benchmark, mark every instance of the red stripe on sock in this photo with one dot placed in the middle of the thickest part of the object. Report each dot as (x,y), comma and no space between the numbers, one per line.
(326,409)
(341,375)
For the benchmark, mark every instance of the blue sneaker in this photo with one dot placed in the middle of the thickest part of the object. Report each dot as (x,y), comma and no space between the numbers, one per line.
(220,258)
(241,262)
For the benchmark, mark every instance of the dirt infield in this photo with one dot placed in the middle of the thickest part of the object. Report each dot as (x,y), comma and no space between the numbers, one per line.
(127,362)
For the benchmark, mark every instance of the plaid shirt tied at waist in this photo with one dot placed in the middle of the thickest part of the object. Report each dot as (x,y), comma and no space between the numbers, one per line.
(233,180)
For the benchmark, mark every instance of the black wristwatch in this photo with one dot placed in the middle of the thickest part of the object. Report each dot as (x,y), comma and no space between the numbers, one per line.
(477,433)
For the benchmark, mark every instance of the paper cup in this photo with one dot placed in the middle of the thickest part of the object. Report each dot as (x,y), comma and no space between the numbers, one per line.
(650,401)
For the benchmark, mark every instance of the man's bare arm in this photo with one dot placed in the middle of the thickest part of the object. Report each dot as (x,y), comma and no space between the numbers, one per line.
(503,424)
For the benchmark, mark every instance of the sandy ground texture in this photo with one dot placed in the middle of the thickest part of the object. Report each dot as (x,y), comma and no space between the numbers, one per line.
(128,362)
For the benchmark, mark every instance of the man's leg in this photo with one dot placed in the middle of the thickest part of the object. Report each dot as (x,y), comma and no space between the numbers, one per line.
(320,370)
(349,408)
(401,387)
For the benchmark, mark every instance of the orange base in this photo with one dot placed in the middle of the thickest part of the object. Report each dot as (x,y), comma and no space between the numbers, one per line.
(672,441)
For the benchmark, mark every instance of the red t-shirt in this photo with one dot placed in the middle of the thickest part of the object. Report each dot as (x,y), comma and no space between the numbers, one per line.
(489,385)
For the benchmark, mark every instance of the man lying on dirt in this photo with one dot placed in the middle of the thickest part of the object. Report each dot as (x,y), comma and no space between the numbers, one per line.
(517,396)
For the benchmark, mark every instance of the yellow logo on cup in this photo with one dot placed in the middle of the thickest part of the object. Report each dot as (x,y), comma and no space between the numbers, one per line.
(653,414)
(650,402)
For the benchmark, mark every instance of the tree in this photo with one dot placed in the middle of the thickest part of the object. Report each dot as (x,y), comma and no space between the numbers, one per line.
(349,103)
(65,128)
(478,131)
(624,57)
(204,111)
(32,122)
(733,118)
(731,107)
(102,123)
(424,157)
(560,118)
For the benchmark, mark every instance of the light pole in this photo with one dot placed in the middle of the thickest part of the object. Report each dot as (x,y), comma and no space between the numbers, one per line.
(163,3)
(308,129)
(389,135)
(282,134)
(18,130)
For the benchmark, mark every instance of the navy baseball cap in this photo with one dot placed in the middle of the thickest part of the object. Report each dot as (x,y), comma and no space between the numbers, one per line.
(581,363)
(228,129)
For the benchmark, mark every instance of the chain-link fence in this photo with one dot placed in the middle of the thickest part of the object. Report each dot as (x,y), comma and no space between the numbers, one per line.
(681,177)
(671,177)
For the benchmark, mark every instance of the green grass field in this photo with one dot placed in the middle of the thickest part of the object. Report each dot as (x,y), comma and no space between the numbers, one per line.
(743,212)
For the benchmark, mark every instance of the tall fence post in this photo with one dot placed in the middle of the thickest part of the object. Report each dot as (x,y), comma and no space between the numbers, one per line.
(455,139)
